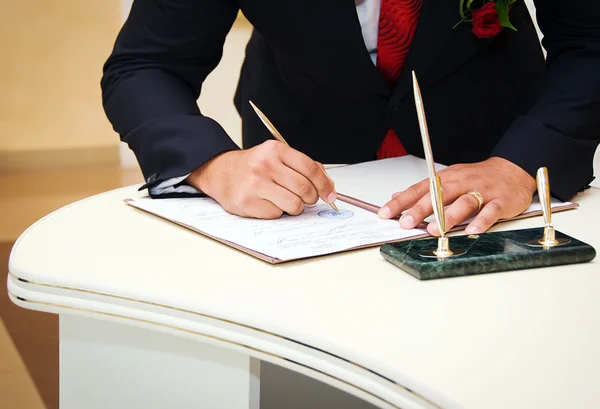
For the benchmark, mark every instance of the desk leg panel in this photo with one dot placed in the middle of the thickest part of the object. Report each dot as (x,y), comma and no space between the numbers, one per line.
(112,365)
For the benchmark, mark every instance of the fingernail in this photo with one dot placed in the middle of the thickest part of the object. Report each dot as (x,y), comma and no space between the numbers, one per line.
(472,230)
(385,212)
(331,198)
(407,222)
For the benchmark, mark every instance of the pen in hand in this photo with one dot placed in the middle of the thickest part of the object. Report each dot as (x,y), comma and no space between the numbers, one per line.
(277,135)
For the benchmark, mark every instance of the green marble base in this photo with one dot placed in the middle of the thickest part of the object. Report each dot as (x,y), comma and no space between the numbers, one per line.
(485,253)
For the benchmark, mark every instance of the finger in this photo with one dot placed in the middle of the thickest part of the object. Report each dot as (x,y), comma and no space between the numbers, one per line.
(296,183)
(404,200)
(266,210)
(312,171)
(456,213)
(489,215)
(256,208)
(417,213)
(282,198)
(424,207)
(439,173)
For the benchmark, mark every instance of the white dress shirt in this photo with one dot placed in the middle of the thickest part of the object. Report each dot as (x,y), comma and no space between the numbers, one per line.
(368,16)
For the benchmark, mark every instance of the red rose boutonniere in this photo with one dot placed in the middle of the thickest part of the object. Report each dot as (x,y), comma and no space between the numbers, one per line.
(488,17)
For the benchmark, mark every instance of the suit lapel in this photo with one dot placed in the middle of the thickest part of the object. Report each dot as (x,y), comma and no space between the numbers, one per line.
(335,39)
(359,61)
(436,22)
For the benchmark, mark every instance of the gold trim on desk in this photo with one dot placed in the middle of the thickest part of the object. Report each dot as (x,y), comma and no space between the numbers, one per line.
(214,337)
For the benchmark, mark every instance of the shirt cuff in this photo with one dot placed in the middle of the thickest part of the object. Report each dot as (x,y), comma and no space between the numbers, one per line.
(173,185)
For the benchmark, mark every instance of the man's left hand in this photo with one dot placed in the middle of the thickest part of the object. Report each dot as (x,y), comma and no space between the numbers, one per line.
(507,191)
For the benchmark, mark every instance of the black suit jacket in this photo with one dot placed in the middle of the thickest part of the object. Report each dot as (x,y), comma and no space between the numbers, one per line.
(309,71)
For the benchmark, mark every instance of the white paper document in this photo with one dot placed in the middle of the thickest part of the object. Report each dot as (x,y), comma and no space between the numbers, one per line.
(317,231)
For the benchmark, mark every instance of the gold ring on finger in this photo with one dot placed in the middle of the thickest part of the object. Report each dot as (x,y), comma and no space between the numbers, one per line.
(477,196)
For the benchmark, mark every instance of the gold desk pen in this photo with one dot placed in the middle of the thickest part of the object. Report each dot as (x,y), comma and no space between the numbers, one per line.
(276,134)
(490,252)
(435,184)
(543,186)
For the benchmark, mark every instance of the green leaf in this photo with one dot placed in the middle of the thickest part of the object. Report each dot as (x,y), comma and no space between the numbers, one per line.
(469,3)
(461,10)
(502,10)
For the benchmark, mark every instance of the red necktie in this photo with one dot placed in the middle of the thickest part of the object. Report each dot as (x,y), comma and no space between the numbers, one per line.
(397,25)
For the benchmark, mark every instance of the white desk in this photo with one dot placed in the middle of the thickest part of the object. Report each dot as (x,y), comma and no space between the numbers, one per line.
(154,315)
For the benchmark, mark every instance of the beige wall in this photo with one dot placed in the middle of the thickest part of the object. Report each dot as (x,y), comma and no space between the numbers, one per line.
(52,55)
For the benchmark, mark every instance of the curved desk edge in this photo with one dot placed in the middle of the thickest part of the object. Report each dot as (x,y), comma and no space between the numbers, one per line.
(11,266)
(313,362)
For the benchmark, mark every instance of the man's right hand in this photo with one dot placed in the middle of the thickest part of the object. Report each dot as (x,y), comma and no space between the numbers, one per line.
(264,181)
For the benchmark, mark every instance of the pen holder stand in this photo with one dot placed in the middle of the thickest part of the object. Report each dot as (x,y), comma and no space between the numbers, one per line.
(486,253)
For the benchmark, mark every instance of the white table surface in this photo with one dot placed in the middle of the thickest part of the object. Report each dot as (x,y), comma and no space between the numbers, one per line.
(520,339)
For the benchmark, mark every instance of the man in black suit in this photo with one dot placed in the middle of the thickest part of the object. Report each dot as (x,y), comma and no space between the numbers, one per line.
(496,110)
